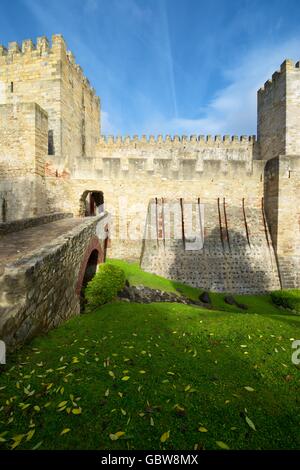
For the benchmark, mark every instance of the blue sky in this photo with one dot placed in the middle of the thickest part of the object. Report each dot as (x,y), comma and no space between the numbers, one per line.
(168,66)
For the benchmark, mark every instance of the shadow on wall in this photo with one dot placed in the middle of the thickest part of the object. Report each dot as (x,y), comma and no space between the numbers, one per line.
(231,260)
(271,196)
(90,271)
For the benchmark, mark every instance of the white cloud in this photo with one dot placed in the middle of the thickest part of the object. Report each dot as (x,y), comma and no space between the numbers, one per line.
(233,109)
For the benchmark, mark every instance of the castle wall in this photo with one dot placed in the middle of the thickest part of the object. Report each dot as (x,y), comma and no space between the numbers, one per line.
(35,73)
(278,126)
(44,93)
(42,290)
(49,77)
(23,137)
(225,247)
(80,113)
(292,109)
(282,192)
(120,152)
(127,192)
(271,115)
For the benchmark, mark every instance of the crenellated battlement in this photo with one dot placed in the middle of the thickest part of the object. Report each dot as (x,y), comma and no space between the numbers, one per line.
(206,140)
(287,65)
(53,157)
(28,50)
(41,47)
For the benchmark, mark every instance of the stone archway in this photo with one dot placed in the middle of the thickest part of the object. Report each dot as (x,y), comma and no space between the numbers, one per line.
(91,203)
(93,256)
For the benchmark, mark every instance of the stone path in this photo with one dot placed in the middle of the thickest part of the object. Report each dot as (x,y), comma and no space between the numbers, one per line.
(18,245)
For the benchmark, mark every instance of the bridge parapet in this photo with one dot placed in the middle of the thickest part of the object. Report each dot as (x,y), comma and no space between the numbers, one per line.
(41,289)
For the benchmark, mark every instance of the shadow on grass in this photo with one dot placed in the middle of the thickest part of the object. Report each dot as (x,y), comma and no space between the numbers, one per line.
(189,356)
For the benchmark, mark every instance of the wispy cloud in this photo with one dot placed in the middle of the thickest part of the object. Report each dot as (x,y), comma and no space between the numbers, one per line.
(157,75)
(232,110)
(169,56)
(107,126)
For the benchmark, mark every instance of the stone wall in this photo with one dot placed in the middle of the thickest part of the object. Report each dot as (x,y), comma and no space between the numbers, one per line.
(278,125)
(23,137)
(127,195)
(223,248)
(132,171)
(23,147)
(48,76)
(18,225)
(282,192)
(41,291)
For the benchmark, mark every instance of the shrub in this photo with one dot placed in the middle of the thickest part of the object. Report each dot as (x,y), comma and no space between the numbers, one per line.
(105,285)
(289,298)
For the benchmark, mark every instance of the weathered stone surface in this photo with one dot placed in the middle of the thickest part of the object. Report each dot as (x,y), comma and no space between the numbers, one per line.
(204,297)
(249,188)
(41,289)
(17,225)
(237,254)
(145,295)
(230,300)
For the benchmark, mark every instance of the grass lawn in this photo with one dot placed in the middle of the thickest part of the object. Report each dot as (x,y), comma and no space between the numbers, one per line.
(207,378)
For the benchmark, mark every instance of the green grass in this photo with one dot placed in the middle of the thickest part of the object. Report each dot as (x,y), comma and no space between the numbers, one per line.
(288,298)
(198,359)
(136,276)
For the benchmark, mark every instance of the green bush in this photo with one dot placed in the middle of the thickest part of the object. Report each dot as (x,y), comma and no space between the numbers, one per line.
(105,285)
(287,298)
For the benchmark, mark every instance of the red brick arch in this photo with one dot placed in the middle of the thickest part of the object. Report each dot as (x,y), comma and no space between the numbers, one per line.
(93,245)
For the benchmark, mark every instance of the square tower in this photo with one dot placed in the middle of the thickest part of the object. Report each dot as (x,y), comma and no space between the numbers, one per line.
(50,77)
(278,110)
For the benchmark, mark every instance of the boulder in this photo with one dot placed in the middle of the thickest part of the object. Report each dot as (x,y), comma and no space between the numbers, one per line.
(229,299)
(205,298)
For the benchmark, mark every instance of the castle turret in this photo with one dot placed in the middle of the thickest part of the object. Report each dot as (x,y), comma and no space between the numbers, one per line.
(47,74)
(279,144)
(278,106)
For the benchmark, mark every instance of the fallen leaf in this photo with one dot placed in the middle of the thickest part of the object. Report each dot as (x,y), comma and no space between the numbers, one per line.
(30,434)
(116,436)
(250,423)
(202,429)
(64,431)
(180,411)
(165,436)
(222,445)
(17,440)
(37,445)
(62,403)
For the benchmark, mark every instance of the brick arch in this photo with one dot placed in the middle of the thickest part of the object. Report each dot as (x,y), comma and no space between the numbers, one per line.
(93,245)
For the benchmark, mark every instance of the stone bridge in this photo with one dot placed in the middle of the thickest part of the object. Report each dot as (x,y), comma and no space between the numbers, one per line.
(44,264)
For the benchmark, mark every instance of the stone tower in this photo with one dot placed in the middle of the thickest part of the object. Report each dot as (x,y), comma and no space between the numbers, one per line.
(50,77)
(278,131)
(53,158)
